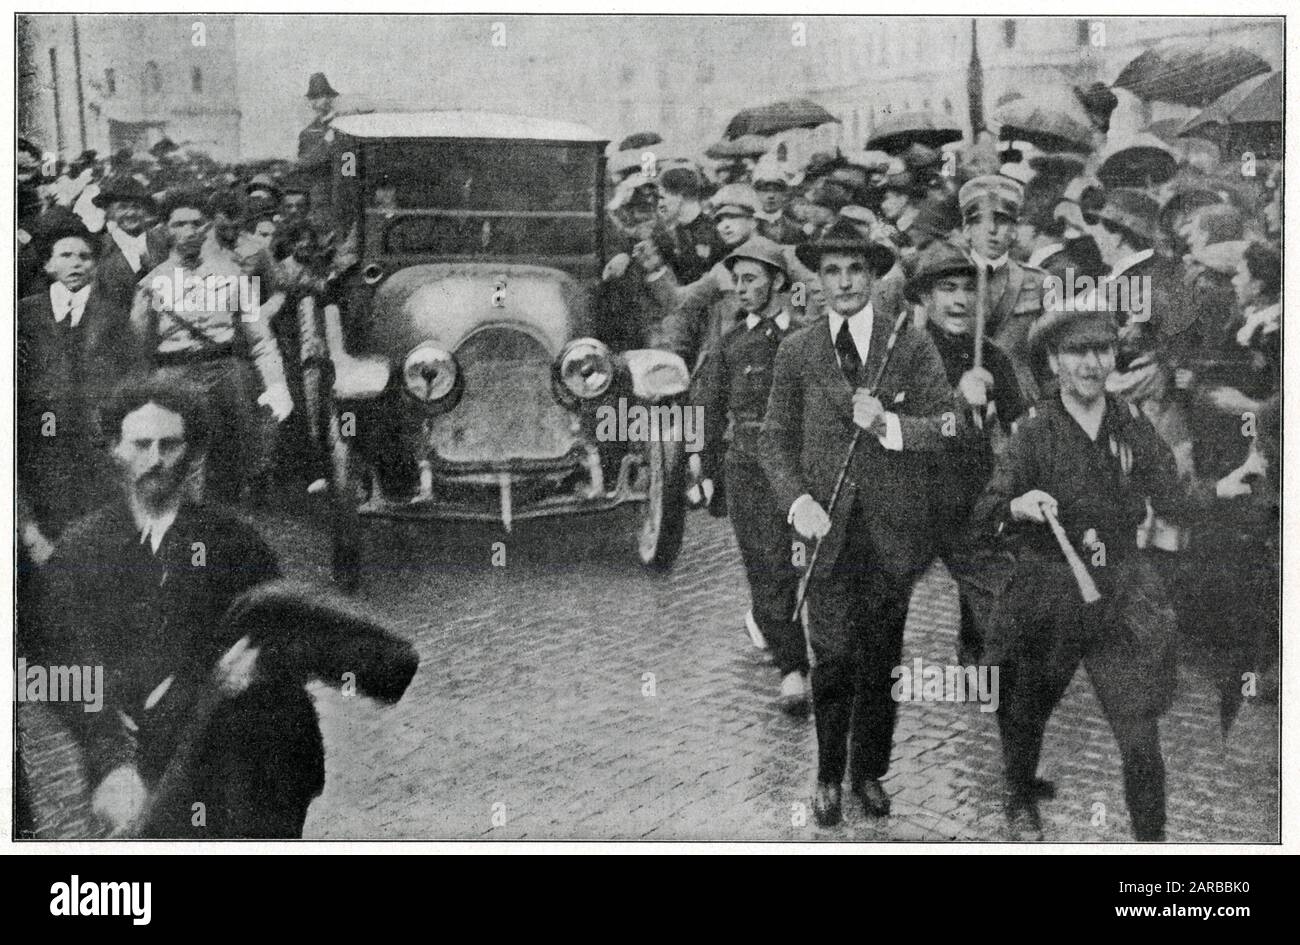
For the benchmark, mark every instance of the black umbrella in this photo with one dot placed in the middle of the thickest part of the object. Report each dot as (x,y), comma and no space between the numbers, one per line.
(1189,71)
(1053,127)
(1246,118)
(777,117)
(898,132)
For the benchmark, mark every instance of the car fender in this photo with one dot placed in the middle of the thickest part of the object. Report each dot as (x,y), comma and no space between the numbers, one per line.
(656,374)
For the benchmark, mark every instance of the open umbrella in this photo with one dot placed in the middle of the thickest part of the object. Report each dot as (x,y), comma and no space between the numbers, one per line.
(1189,71)
(777,117)
(746,146)
(1052,123)
(1141,161)
(897,132)
(1245,118)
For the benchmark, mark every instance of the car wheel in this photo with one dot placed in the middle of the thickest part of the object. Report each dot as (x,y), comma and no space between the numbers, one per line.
(663,517)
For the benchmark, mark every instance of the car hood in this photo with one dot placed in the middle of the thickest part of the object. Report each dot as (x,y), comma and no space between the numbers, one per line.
(445,303)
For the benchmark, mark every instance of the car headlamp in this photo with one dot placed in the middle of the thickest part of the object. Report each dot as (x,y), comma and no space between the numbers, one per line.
(585,368)
(429,374)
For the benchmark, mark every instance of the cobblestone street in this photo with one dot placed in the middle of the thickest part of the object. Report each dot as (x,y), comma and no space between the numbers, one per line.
(531,715)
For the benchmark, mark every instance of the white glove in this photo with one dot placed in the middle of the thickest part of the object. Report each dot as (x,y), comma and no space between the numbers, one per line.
(974,386)
(120,797)
(616,266)
(277,398)
(809,518)
(1030,507)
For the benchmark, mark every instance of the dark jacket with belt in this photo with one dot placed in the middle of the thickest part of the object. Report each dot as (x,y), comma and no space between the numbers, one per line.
(809,426)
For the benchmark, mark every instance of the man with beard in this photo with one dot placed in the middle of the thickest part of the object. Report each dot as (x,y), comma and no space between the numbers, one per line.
(139,588)
(1093,463)
(824,390)
(197,326)
(731,389)
(124,253)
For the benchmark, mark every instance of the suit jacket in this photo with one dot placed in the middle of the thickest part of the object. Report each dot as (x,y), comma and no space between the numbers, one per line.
(809,426)
(106,599)
(1015,300)
(115,280)
(64,378)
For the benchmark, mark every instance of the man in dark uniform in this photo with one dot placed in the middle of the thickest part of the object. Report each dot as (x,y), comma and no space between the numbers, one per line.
(732,387)
(139,588)
(944,285)
(316,145)
(873,551)
(1093,463)
(990,208)
(774,195)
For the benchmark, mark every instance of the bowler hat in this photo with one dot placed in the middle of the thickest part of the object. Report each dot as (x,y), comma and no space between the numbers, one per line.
(1133,210)
(122,188)
(760,249)
(843,237)
(262,182)
(936,261)
(319,87)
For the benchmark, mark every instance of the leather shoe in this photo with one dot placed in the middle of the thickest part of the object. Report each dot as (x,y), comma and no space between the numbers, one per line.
(827,808)
(1023,821)
(874,799)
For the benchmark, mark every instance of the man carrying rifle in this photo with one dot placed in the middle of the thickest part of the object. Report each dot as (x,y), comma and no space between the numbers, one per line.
(858,368)
(1067,498)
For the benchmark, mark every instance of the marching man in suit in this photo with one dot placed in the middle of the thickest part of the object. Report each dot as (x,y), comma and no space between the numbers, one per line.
(125,255)
(875,547)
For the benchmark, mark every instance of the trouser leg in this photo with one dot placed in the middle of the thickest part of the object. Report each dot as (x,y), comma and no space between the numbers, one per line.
(1031,685)
(1123,679)
(764,540)
(879,632)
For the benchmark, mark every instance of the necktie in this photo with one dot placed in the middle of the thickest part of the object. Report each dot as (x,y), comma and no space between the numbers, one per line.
(850,363)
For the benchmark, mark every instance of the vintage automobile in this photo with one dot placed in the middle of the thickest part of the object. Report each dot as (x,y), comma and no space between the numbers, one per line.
(472,360)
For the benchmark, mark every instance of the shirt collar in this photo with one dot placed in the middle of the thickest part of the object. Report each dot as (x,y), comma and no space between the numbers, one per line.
(782,320)
(994,264)
(860,324)
(154,528)
(67,303)
(1128,262)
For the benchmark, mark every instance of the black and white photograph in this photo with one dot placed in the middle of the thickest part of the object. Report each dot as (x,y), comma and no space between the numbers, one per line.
(767,428)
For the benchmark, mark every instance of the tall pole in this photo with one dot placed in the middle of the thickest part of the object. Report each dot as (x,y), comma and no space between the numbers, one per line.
(58,104)
(76,70)
(975,84)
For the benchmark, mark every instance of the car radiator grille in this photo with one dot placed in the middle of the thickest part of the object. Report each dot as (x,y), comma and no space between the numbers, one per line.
(507,411)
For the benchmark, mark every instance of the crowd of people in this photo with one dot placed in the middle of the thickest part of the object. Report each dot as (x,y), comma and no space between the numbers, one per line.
(901,356)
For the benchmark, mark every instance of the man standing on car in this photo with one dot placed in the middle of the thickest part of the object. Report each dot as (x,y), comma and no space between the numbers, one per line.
(824,390)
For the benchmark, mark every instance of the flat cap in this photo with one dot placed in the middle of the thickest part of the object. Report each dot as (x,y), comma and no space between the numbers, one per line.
(1007,196)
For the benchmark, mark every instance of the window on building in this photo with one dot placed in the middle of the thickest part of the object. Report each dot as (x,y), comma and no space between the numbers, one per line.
(627,73)
(152,78)
(1082,32)
(1008,33)
(110,81)
(947,106)
(196,79)
(925,106)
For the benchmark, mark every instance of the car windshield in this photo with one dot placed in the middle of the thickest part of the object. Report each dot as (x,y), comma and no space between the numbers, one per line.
(481,176)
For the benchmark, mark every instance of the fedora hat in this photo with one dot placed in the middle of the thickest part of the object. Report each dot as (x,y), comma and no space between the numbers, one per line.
(1133,210)
(843,237)
(122,188)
